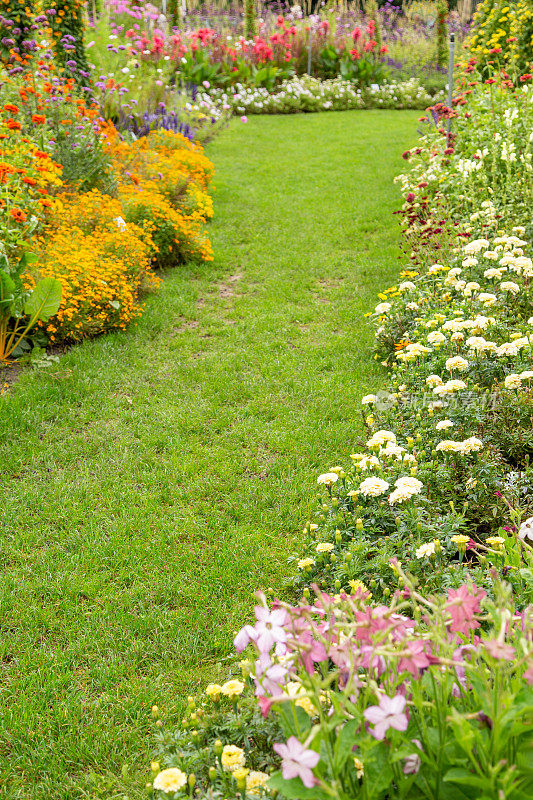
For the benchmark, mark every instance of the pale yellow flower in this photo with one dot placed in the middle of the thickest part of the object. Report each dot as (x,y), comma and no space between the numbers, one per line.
(232,758)
(213,691)
(232,688)
(255,781)
(170,780)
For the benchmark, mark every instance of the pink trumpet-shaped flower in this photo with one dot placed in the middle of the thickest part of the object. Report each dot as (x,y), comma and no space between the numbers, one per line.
(297,762)
(388,714)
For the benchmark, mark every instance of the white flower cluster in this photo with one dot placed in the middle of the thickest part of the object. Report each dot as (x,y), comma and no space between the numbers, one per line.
(305,93)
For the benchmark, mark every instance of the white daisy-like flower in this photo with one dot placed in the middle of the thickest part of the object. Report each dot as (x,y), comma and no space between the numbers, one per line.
(373,487)
(444,424)
(509,286)
(457,363)
(476,246)
(383,308)
(513,382)
(368,399)
(434,380)
(379,438)
(436,337)
(426,550)
(493,273)
(327,478)
(471,445)
(170,780)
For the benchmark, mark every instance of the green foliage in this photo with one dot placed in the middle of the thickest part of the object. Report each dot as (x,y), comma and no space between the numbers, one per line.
(442,38)
(249,19)
(22,308)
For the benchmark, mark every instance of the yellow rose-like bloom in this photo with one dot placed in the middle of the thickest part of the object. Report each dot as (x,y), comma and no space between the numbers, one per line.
(232,688)
(256,781)
(213,691)
(170,780)
(232,758)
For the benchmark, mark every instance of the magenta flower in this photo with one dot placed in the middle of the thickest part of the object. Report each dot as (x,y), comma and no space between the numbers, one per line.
(463,604)
(500,650)
(417,660)
(388,714)
(297,762)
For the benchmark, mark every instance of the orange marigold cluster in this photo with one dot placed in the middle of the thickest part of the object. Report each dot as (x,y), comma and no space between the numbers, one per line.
(103,249)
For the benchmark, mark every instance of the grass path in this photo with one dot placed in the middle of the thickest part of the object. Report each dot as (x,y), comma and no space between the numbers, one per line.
(153,479)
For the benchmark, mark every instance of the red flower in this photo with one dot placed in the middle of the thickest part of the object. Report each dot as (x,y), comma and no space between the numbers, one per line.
(11,108)
(527,77)
(13,125)
(410,198)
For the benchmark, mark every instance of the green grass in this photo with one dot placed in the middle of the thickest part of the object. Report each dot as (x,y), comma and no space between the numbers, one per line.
(154,478)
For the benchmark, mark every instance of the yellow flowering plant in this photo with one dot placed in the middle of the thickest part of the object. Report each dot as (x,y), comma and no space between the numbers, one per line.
(223,742)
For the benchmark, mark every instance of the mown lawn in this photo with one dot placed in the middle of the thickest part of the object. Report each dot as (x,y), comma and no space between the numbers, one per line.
(153,479)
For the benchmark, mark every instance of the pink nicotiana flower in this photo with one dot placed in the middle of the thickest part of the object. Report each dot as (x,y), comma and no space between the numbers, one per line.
(297,761)
(413,762)
(388,714)
(500,650)
(463,605)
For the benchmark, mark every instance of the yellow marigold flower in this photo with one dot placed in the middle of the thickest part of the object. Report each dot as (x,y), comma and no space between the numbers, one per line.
(255,781)
(232,688)
(232,758)
(213,691)
(495,541)
(170,780)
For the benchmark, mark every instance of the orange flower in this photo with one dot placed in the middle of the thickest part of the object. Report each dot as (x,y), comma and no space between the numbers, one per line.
(45,203)
(11,108)
(18,215)
(29,181)
(38,119)
(13,125)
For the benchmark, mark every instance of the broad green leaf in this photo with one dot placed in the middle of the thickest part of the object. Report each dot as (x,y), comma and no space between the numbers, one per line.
(294,789)
(45,299)
(7,291)
(466,778)
(344,743)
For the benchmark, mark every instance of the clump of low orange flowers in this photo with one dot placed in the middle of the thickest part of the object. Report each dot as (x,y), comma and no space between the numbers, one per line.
(103,241)
(157,218)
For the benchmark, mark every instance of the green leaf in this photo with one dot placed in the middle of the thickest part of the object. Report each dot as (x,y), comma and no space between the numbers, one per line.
(464,734)
(344,743)
(466,778)
(45,299)
(7,291)
(294,789)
